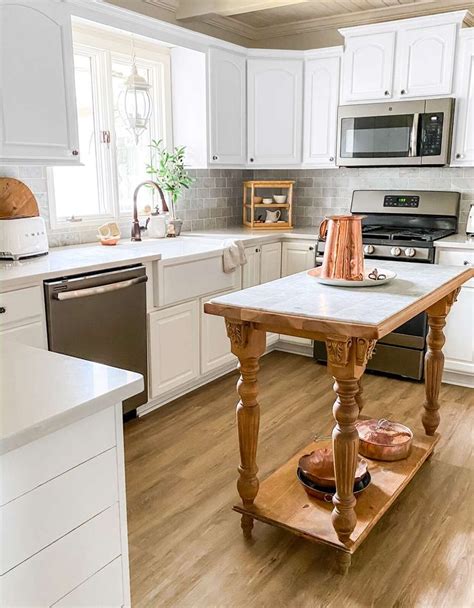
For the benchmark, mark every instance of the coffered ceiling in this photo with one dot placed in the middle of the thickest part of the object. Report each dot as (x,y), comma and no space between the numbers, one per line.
(288,23)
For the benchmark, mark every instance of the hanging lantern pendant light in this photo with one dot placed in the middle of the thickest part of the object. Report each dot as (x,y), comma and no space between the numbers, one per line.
(135,101)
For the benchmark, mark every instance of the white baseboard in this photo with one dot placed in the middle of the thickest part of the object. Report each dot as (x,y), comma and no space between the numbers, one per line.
(458,378)
(306,350)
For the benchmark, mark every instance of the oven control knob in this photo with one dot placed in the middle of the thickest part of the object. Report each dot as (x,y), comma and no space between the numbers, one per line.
(396,251)
(369,249)
(410,252)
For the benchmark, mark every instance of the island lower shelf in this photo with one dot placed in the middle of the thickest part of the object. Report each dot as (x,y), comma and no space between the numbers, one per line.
(282,502)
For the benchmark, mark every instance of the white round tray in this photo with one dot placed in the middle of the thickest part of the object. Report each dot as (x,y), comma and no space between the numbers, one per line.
(366,282)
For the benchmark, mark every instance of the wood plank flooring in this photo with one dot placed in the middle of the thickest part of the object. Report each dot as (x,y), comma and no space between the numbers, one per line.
(186,546)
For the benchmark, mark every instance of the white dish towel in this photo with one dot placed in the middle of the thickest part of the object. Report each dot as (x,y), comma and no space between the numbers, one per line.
(233,255)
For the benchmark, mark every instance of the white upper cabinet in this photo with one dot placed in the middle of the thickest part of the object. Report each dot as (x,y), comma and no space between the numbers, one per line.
(426,60)
(368,67)
(274,105)
(38,122)
(463,141)
(401,59)
(321,96)
(227,111)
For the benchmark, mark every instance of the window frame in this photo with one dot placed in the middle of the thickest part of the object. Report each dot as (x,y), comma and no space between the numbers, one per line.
(104,47)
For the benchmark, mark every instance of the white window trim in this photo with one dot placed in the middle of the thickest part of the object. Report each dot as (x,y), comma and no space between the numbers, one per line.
(106,46)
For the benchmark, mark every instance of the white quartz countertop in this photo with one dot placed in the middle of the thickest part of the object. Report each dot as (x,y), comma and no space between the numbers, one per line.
(301,295)
(41,391)
(76,259)
(460,241)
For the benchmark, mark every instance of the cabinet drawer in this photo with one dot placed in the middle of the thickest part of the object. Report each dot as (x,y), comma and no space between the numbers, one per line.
(20,305)
(27,467)
(457,257)
(54,572)
(38,518)
(104,589)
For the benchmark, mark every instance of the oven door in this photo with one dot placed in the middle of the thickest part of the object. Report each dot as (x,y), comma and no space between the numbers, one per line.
(379,134)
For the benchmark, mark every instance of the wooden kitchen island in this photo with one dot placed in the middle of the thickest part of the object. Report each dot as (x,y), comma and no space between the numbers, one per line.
(349,321)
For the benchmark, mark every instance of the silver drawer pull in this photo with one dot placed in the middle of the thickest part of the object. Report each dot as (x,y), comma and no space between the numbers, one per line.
(467,263)
(2,310)
(94,291)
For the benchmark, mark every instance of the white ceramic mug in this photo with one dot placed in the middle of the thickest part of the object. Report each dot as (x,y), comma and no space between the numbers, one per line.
(272,216)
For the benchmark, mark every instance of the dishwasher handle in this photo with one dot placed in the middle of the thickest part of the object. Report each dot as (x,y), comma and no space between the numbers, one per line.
(100,289)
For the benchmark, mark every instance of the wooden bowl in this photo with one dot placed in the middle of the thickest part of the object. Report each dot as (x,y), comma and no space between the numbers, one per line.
(384,439)
(257,199)
(319,468)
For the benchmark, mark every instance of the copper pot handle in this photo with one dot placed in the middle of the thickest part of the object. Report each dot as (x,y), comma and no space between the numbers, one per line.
(323,228)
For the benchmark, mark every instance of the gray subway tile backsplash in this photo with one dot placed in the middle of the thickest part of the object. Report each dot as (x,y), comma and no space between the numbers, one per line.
(214,200)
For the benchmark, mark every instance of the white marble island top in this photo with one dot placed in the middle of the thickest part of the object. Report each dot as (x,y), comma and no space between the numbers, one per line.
(301,302)
(42,391)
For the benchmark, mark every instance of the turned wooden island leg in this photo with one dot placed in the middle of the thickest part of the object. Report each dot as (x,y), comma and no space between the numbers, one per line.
(360,395)
(248,344)
(434,361)
(347,358)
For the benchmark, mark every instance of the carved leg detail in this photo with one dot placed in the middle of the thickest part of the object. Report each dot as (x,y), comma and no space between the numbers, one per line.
(434,363)
(360,396)
(248,345)
(345,440)
(343,562)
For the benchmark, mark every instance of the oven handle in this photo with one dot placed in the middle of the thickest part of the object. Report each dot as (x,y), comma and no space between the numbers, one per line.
(412,151)
(100,289)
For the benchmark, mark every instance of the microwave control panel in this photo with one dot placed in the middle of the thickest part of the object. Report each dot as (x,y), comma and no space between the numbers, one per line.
(431,134)
(394,200)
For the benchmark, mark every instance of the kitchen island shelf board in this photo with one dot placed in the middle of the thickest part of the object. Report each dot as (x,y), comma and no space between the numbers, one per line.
(282,501)
(349,322)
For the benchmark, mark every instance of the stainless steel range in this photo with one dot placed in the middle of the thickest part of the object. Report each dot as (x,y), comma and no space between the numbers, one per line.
(401,225)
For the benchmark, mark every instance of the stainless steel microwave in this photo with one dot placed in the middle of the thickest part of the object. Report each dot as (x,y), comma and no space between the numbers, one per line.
(394,134)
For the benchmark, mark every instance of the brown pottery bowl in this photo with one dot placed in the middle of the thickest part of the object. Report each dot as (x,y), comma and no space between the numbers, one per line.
(319,467)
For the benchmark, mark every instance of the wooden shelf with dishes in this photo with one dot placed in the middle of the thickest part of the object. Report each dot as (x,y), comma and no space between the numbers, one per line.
(268,204)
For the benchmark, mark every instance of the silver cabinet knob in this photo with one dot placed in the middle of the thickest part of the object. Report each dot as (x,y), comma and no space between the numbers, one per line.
(466,263)
(251,160)
(410,252)
(386,93)
(3,310)
(75,152)
(311,249)
(403,92)
(458,155)
(331,159)
(215,157)
(396,251)
(369,249)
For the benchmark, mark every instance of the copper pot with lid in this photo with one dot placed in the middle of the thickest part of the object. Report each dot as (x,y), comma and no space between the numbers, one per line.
(384,439)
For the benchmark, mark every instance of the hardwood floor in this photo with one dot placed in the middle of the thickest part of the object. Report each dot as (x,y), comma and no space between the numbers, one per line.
(186,545)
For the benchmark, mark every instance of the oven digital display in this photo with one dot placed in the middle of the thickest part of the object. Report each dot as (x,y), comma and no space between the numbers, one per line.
(401,201)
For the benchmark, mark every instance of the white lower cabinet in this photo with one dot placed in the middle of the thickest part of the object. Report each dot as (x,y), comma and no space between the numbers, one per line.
(459,330)
(297,256)
(251,270)
(174,347)
(22,317)
(263,264)
(215,345)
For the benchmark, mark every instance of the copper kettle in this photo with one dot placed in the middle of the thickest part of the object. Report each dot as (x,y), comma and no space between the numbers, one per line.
(343,253)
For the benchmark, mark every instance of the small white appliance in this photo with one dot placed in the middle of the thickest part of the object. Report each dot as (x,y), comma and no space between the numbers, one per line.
(22,237)
(470,221)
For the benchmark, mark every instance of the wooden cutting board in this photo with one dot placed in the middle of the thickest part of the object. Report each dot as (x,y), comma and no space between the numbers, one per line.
(16,199)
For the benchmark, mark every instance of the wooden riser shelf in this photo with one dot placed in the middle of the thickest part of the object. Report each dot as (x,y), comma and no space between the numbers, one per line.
(282,501)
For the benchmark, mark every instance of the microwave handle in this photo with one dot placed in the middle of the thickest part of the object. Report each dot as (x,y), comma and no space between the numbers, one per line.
(413,149)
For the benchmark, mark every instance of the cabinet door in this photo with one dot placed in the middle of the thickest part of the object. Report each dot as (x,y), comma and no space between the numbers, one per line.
(251,270)
(38,121)
(215,344)
(367,67)
(270,262)
(426,60)
(321,95)
(463,142)
(227,84)
(459,332)
(32,334)
(174,347)
(275,91)
(297,257)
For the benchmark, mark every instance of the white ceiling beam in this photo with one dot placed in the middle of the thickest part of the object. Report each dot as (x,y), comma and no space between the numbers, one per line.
(194,9)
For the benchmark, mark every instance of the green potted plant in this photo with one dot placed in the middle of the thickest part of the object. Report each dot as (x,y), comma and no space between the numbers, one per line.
(168,170)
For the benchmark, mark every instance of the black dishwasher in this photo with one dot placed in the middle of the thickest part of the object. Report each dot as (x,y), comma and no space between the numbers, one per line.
(101,317)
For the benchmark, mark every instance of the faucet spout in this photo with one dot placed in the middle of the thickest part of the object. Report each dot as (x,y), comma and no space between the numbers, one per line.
(136,229)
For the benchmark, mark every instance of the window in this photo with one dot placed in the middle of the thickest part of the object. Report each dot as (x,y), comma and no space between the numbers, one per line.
(112,163)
